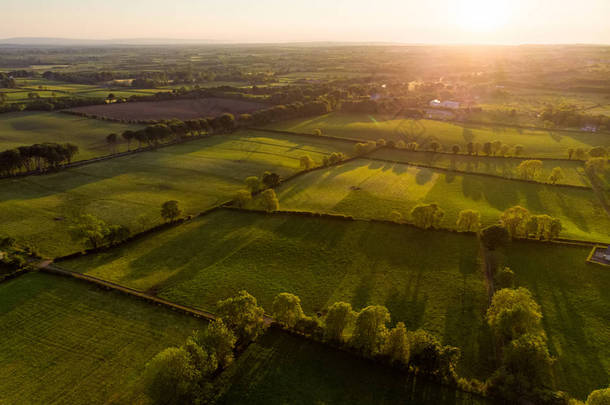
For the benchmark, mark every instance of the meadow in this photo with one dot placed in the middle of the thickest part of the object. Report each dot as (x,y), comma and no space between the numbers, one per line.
(27,128)
(573,171)
(129,190)
(70,342)
(537,143)
(374,189)
(427,279)
(283,369)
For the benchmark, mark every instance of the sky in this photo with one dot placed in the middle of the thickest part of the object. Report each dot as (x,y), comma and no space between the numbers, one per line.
(404,21)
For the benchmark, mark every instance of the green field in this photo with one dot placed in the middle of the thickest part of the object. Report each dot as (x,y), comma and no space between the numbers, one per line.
(130,190)
(575,301)
(27,128)
(572,170)
(362,126)
(282,369)
(66,342)
(426,279)
(373,189)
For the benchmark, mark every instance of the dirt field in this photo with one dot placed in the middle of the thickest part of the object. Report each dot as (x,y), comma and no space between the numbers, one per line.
(181,109)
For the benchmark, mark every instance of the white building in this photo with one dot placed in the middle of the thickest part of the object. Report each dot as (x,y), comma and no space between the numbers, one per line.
(445,104)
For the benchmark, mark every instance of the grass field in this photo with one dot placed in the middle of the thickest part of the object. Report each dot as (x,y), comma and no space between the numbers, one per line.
(130,190)
(66,342)
(426,279)
(362,126)
(486,165)
(27,128)
(373,189)
(282,369)
(575,300)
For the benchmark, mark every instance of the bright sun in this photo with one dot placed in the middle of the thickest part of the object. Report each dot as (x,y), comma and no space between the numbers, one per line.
(482,15)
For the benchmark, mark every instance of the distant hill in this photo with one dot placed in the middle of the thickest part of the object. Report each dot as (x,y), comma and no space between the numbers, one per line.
(47,41)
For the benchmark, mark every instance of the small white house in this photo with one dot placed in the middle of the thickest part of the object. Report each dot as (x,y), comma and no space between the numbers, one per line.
(435,103)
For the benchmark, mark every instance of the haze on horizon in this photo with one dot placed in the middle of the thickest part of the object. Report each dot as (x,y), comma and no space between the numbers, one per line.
(244,21)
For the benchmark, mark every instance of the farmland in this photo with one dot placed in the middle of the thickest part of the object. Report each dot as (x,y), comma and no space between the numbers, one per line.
(373,189)
(180,109)
(130,190)
(371,127)
(73,343)
(27,128)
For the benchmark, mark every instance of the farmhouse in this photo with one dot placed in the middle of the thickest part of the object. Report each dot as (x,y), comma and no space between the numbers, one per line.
(446,104)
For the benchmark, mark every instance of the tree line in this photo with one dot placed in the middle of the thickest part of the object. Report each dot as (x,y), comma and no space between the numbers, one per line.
(40,157)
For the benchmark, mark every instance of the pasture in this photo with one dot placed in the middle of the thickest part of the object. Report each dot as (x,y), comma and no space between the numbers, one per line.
(129,190)
(371,127)
(283,369)
(66,342)
(27,128)
(374,189)
(180,109)
(322,261)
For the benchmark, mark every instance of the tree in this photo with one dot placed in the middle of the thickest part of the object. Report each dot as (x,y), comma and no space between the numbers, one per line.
(170,210)
(412,146)
(270,201)
(427,215)
(455,149)
(580,153)
(599,397)
(287,309)
(242,198)
(243,316)
(218,339)
(529,169)
(513,313)
(317,132)
(429,356)
(543,227)
(570,153)
(116,234)
(470,148)
(112,140)
(468,221)
(519,150)
(397,347)
(515,220)
(307,162)
(488,148)
(596,166)
(505,278)
(271,180)
(435,146)
(339,316)
(556,175)
(253,183)
(496,146)
(227,122)
(597,151)
(494,236)
(370,329)
(171,378)
(92,229)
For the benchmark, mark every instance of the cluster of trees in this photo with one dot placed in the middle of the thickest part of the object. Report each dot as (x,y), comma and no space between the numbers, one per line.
(50,103)
(39,157)
(7,80)
(265,186)
(12,259)
(520,223)
(564,115)
(284,112)
(333,158)
(583,154)
(368,334)
(362,148)
(96,233)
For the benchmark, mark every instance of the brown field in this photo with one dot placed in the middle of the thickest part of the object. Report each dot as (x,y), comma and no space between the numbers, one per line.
(180,109)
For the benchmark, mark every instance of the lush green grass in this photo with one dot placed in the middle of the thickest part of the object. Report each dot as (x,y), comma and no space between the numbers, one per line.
(426,279)
(66,342)
(363,126)
(572,170)
(373,189)
(575,300)
(282,369)
(130,190)
(27,128)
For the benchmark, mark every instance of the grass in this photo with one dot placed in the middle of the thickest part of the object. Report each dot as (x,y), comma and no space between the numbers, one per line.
(283,369)
(129,190)
(575,301)
(363,126)
(373,189)
(486,165)
(70,342)
(27,128)
(426,279)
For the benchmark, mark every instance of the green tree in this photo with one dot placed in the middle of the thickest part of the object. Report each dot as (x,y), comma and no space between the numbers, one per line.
(307,162)
(599,397)
(494,236)
(427,215)
(529,169)
(243,316)
(338,318)
(242,198)
(370,329)
(92,229)
(128,136)
(505,278)
(455,149)
(597,151)
(219,340)
(271,179)
(556,175)
(513,313)
(170,210)
(287,309)
(112,140)
(515,221)
(468,221)
(519,150)
(435,146)
(253,183)
(270,201)
(396,346)
(117,234)
(171,377)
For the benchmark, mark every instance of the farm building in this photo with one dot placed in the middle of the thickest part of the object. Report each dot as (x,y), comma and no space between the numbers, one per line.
(445,104)
(600,255)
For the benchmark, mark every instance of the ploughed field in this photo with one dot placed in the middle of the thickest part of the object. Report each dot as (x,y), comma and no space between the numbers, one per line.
(130,190)
(371,189)
(67,342)
(427,279)
(28,128)
(539,143)
(168,109)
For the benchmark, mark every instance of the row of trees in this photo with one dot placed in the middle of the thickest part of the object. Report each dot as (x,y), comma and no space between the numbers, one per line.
(39,157)
(96,233)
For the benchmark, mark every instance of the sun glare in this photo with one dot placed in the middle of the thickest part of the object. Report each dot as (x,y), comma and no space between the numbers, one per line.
(482,15)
